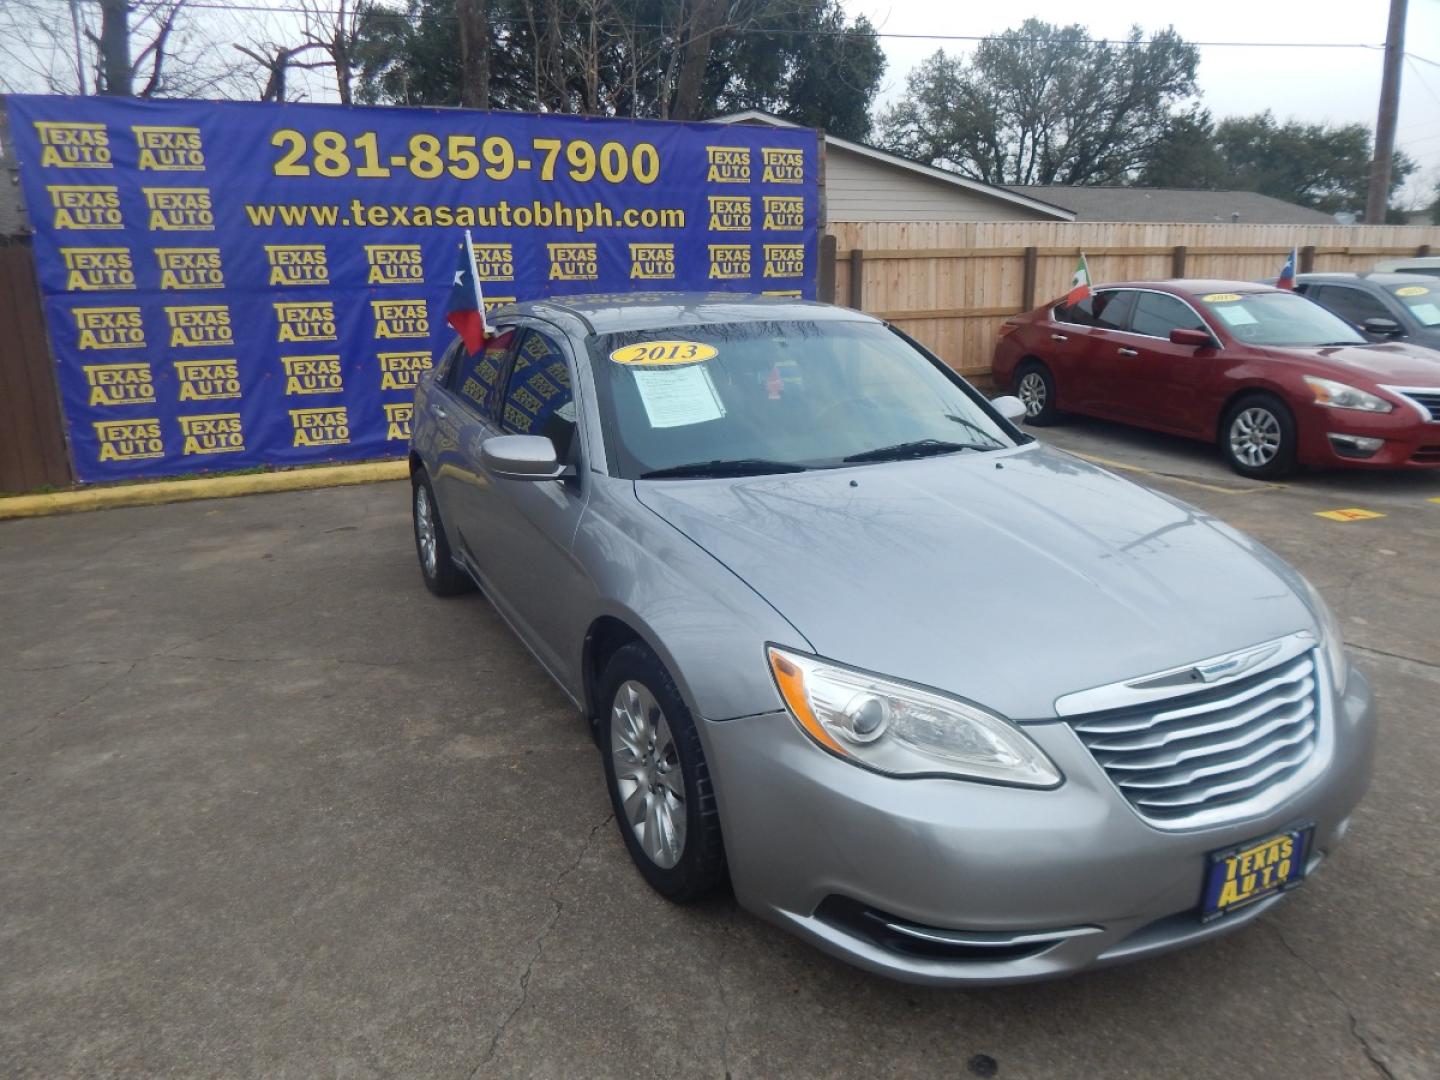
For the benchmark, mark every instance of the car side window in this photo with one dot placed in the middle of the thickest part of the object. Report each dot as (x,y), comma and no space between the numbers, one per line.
(1104,309)
(1352,305)
(1156,314)
(446,367)
(538,398)
(476,377)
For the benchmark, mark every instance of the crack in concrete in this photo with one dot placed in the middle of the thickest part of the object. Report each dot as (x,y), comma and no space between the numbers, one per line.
(559,909)
(59,713)
(1356,1032)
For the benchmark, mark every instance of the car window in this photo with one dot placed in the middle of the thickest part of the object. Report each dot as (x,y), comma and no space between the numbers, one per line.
(477,375)
(1352,305)
(1422,301)
(446,367)
(538,399)
(1156,314)
(1105,309)
(801,393)
(1278,317)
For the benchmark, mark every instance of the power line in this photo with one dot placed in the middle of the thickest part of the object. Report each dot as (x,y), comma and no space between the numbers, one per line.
(284,9)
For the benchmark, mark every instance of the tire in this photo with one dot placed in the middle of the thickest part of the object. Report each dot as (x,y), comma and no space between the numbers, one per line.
(653,758)
(1035,386)
(437,565)
(1258,437)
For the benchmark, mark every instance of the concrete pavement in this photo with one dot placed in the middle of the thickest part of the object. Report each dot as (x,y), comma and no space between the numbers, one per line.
(269,808)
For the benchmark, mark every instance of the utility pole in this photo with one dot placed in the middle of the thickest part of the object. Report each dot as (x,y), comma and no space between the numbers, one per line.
(79,46)
(1378,197)
(115,47)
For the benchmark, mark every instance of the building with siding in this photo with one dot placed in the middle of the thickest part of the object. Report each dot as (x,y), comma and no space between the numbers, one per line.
(866,184)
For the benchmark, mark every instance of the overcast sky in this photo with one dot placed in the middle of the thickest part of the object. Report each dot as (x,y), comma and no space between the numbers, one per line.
(1338,85)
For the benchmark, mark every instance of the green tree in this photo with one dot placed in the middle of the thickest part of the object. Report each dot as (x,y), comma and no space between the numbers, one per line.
(671,59)
(1186,156)
(1044,104)
(1323,166)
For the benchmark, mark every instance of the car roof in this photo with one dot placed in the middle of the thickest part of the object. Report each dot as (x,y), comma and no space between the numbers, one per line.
(608,313)
(1192,286)
(1371,277)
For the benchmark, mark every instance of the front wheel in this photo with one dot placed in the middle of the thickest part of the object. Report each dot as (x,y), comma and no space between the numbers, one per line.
(1257,437)
(659,783)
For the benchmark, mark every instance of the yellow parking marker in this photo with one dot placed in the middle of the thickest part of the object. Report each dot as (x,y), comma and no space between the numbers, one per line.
(1433,500)
(1352,514)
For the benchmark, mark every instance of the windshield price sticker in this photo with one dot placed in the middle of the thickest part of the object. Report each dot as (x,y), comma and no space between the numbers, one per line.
(663,353)
(1412,290)
(678,397)
(1220,297)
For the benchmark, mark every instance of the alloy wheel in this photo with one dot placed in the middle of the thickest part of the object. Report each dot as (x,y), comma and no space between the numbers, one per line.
(1255,437)
(1032,393)
(425,529)
(648,773)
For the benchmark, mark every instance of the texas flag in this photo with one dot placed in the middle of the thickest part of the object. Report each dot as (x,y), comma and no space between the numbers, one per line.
(1079,282)
(466,309)
(1286,280)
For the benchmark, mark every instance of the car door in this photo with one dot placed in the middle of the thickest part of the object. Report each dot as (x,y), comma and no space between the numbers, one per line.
(1353,305)
(472,391)
(522,530)
(1158,383)
(1104,361)
(1070,351)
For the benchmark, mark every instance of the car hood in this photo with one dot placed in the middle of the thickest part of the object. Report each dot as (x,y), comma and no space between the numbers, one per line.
(1009,579)
(1394,363)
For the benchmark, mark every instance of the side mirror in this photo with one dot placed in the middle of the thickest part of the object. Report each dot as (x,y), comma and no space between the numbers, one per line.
(1382,327)
(521,457)
(1010,407)
(1200,339)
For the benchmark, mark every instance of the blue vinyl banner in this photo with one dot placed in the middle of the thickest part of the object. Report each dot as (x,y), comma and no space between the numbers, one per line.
(233,284)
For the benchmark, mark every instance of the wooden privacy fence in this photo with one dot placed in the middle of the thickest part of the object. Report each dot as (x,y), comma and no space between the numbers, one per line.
(32,442)
(950,284)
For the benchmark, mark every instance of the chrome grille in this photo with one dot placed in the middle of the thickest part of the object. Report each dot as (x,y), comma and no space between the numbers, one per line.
(1428,400)
(1200,751)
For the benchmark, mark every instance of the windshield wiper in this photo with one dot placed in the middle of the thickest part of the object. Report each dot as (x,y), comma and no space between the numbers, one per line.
(917,449)
(722,467)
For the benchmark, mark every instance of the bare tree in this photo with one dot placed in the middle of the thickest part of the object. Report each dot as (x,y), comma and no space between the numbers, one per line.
(332,27)
(276,62)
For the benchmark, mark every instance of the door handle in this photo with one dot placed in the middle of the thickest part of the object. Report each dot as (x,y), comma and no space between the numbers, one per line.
(1059,337)
(1128,352)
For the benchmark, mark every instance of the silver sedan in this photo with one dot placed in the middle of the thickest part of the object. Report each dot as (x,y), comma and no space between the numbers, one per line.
(950,704)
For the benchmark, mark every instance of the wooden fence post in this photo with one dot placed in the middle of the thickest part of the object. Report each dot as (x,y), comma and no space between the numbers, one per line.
(1027,280)
(825,275)
(1307,260)
(1177,261)
(1422,251)
(857,282)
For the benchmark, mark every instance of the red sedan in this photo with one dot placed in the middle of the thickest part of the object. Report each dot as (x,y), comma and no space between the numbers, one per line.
(1274,379)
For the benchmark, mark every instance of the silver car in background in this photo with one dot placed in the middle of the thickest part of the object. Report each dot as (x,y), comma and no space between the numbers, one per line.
(952,705)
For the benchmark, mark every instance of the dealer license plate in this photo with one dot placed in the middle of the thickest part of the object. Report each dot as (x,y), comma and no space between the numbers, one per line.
(1239,876)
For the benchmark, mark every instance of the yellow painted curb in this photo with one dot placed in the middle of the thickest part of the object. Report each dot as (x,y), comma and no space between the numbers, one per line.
(210,487)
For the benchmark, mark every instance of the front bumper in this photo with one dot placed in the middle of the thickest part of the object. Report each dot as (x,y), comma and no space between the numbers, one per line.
(1409,442)
(803,828)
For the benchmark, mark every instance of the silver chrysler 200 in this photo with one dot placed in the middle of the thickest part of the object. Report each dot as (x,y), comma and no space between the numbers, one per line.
(950,704)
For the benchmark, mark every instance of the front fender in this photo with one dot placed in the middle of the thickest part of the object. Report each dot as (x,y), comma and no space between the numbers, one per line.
(706,625)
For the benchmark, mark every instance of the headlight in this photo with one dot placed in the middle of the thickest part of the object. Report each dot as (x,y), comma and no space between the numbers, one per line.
(903,730)
(1332,640)
(1337,395)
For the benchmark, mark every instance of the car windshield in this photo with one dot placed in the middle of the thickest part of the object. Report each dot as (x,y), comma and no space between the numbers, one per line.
(743,398)
(1422,301)
(1278,318)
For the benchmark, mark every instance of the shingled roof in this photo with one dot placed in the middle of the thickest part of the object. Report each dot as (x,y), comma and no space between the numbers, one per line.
(1173,204)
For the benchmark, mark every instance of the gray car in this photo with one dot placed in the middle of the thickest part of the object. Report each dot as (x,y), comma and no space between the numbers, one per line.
(952,705)
(1383,307)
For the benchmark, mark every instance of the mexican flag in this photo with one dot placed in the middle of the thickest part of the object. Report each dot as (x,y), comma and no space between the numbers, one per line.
(1079,282)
